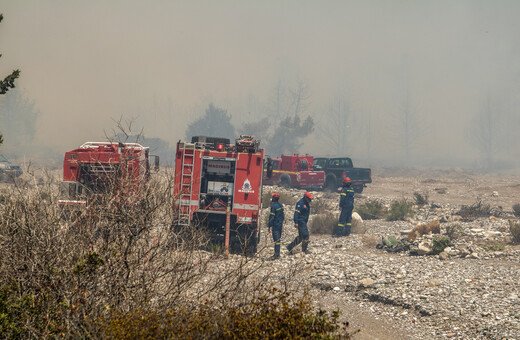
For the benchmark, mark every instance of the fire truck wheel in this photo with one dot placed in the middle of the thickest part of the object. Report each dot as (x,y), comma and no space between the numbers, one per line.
(285,181)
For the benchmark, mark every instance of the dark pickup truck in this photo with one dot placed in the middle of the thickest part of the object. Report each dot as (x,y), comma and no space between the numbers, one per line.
(8,170)
(340,167)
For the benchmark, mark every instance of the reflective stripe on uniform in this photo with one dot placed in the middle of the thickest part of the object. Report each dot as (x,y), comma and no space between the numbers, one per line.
(343,194)
(297,210)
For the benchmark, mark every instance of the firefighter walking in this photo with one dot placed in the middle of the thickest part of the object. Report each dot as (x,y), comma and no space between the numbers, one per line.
(346,203)
(276,223)
(301,217)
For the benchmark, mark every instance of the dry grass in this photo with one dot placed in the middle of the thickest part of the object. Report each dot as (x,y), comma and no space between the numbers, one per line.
(514,229)
(323,224)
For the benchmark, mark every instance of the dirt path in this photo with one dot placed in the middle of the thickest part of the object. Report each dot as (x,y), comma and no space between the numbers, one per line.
(365,322)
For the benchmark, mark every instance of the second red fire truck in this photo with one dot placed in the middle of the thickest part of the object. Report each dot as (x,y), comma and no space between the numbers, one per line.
(294,171)
(96,168)
(219,184)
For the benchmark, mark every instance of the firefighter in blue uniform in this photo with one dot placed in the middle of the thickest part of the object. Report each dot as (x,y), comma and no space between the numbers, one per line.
(346,203)
(276,223)
(301,217)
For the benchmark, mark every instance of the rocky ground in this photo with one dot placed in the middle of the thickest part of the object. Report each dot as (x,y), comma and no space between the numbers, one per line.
(470,291)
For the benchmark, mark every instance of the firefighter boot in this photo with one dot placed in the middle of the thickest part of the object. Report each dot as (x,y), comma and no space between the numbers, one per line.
(305,246)
(277,249)
(347,229)
(340,231)
(290,249)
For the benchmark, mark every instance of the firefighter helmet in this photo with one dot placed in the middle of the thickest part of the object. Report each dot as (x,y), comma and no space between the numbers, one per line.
(308,195)
(346,180)
(275,195)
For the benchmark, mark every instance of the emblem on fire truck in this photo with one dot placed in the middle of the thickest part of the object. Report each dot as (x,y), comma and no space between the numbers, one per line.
(246,187)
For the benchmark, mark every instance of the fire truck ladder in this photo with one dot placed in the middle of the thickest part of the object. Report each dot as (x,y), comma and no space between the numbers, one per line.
(188,160)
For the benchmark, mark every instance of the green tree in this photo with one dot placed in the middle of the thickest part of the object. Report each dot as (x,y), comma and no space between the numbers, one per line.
(259,128)
(18,116)
(8,82)
(215,123)
(287,136)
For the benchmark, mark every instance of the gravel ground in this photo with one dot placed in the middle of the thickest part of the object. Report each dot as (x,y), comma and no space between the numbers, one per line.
(470,291)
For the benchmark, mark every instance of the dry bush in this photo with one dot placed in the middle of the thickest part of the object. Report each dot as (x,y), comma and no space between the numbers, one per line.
(491,245)
(59,276)
(399,210)
(516,209)
(272,316)
(371,210)
(514,229)
(320,206)
(285,198)
(421,229)
(474,211)
(454,231)
(323,224)
(439,243)
(420,199)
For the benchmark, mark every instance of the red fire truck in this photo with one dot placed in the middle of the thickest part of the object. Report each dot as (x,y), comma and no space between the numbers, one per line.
(294,171)
(219,184)
(95,167)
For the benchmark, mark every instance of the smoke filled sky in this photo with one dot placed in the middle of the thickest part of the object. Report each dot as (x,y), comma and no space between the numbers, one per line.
(86,64)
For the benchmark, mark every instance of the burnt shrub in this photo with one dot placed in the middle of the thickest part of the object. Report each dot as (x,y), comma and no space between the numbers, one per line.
(474,211)
(514,229)
(399,210)
(324,224)
(278,316)
(516,209)
(454,231)
(420,199)
(371,210)
(320,206)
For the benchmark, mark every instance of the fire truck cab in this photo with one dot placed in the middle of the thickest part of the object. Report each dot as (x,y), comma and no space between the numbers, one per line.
(92,168)
(211,175)
(294,171)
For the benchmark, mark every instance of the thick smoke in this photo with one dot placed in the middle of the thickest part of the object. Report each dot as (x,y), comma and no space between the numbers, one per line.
(418,78)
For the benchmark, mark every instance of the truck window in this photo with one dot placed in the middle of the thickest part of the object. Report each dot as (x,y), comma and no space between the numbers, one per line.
(335,163)
(340,163)
(276,164)
(319,163)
